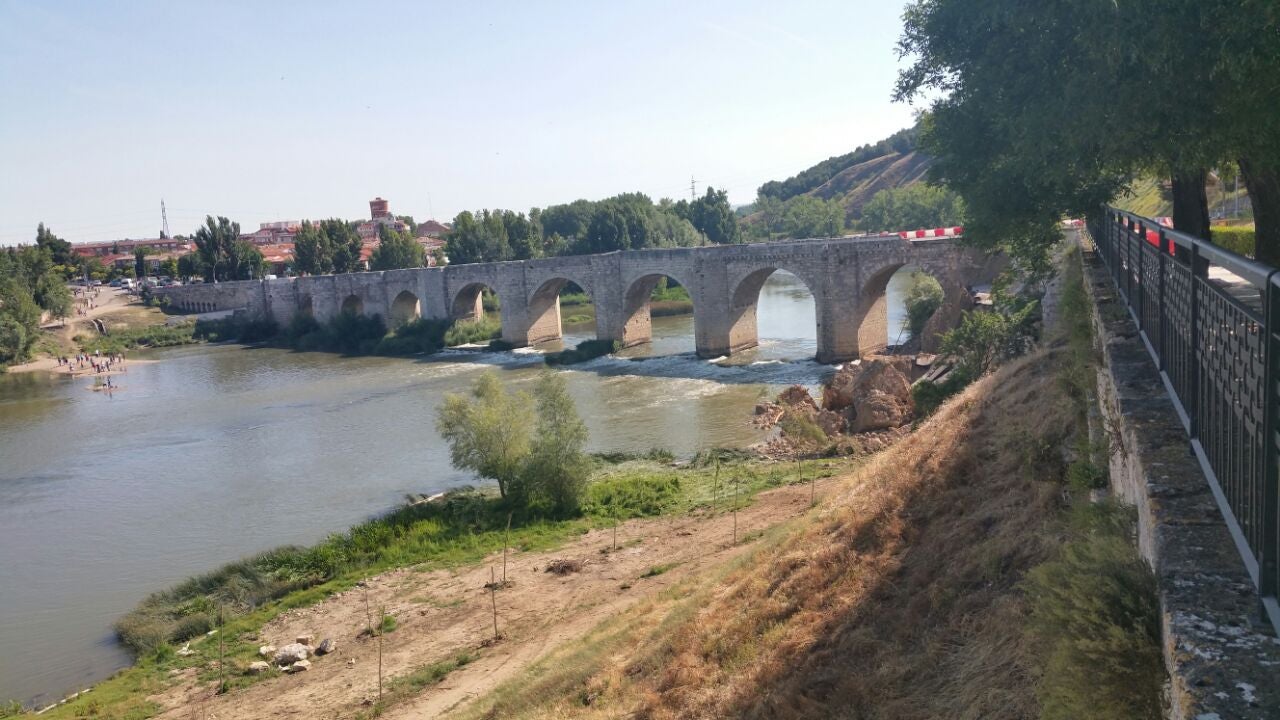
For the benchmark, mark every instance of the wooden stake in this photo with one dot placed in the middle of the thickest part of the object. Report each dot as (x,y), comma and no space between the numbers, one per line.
(493,596)
(813,490)
(715,492)
(382,614)
(222,649)
(615,533)
(506,542)
(735,511)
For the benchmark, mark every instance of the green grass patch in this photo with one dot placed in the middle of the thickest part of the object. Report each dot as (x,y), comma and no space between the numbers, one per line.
(1095,619)
(657,570)
(154,336)
(407,686)
(476,331)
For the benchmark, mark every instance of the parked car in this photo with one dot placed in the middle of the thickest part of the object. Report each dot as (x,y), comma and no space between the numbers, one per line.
(115,283)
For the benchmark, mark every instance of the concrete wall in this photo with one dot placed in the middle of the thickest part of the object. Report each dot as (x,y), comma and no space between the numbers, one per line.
(847,277)
(1222,659)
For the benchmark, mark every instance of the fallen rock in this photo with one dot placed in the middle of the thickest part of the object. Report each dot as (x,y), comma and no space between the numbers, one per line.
(326,646)
(290,654)
(853,382)
(832,423)
(257,667)
(186,651)
(300,666)
(879,411)
(307,640)
(267,651)
(768,414)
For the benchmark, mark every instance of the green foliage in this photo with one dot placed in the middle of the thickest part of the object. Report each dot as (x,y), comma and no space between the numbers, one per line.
(912,207)
(557,468)
(387,624)
(420,335)
(986,338)
(657,570)
(712,216)
(235,329)
(407,686)
(396,250)
(1239,240)
(488,430)
(927,396)
(13,708)
(802,216)
(473,331)
(214,242)
(585,350)
(802,428)
(630,496)
(902,141)
(1095,617)
(923,298)
(152,336)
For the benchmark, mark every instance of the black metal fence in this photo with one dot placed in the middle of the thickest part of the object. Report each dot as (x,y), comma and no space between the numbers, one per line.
(1211,320)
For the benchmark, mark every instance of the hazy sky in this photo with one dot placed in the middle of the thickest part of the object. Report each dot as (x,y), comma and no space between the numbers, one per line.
(271,110)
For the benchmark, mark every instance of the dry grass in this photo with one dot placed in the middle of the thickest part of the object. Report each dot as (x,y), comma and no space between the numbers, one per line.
(898,599)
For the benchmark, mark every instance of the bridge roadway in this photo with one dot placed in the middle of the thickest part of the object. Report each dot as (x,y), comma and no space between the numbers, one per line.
(847,277)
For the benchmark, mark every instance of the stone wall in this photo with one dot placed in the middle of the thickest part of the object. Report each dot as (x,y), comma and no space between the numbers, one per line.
(847,277)
(1223,660)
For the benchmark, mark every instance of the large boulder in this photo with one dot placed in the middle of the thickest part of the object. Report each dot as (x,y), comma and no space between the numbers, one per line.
(855,381)
(878,410)
(291,653)
(257,667)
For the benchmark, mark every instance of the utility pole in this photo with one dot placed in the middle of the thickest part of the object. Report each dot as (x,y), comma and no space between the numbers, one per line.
(164,221)
(693,189)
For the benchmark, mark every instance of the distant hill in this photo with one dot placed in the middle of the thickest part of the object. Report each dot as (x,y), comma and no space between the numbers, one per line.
(854,178)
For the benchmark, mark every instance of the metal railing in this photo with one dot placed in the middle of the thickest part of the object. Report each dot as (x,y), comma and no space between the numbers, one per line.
(1211,320)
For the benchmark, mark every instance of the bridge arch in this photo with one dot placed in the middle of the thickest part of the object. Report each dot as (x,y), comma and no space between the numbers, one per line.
(744,301)
(405,308)
(353,305)
(637,315)
(467,304)
(872,317)
(543,307)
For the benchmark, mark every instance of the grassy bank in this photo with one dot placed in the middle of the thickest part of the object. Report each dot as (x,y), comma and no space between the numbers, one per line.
(465,527)
(961,573)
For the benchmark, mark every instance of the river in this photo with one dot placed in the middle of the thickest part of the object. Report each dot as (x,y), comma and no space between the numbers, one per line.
(212,453)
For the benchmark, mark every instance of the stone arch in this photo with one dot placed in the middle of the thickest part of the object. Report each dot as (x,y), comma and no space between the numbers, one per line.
(468,303)
(405,308)
(353,304)
(744,302)
(543,309)
(637,321)
(872,315)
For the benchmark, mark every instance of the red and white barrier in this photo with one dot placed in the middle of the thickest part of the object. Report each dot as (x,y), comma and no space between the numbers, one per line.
(934,233)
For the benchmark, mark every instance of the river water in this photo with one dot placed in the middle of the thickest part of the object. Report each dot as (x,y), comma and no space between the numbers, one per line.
(214,453)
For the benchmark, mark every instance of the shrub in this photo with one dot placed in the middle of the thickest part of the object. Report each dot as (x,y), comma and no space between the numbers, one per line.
(802,428)
(929,395)
(632,496)
(475,331)
(923,298)
(1239,239)
(421,335)
(192,626)
(984,339)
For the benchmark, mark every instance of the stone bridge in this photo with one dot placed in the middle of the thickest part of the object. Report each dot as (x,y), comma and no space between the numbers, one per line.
(847,277)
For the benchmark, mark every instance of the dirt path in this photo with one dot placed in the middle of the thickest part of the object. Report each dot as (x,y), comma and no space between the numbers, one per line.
(442,612)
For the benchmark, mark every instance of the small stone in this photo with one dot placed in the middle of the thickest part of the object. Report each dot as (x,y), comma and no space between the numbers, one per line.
(257,667)
(186,651)
(305,640)
(326,646)
(351,662)
(267,651)
(298,667)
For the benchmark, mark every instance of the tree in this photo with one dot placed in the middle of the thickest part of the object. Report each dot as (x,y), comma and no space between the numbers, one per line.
(345,245)
(191,265)
(396,250)
(488,431)
(245,261)
(712,215)
(215,241)
(923,297)
(912,207)
(169,267)
(54,296)
(478,238)
(312,251)
(59,249)
(806,216)
(140,261)
(557,468)
(20,316)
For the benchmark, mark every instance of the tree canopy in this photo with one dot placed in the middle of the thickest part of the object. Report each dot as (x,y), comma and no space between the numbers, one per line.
(396,250)
(912,207)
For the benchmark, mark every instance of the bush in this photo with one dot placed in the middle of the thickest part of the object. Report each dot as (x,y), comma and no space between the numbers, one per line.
(923,298)
(586,350)
(801,427)
(632,496)
(1095,617)
(984,339)
(1239,240)
(153,336)
(929,395)
(417,336)
(235,329)
(475,331)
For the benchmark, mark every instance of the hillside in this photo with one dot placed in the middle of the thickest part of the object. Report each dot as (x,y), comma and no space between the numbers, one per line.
(852,179)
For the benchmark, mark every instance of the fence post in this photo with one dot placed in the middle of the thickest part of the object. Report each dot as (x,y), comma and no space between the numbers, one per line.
(1268,572)
(1192,402)
(1161,348)
(1141,245)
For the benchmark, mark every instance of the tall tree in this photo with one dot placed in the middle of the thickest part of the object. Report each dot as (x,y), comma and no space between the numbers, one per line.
(214,241)
(488,430)
(557,468)
(312,250)
(396,250)
(345,244)
(712,215)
